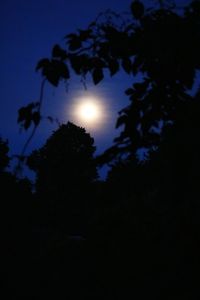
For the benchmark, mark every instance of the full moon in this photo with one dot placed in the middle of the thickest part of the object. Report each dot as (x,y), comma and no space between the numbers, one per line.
(89,112)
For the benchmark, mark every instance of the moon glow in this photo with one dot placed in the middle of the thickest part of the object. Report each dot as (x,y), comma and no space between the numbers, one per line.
(89,112)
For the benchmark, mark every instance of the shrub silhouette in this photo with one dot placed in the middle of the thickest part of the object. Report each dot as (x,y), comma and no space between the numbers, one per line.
(65,171)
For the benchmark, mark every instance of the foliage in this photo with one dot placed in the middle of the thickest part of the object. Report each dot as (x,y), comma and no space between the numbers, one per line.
(65,159)
(160,44)
(28,115)
(143,237)
(65,171)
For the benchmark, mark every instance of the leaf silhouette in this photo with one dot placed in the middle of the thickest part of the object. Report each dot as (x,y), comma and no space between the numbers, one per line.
(42,64)
(113,66)
(137,9)
(97,75)
(58,52)
(27,115)
(127,65)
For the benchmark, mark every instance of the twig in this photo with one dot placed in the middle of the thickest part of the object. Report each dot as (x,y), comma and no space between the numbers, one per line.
(22,154)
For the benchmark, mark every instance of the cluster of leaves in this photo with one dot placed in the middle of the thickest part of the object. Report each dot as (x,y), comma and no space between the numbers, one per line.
(29,115)
(55,69)
(159,44)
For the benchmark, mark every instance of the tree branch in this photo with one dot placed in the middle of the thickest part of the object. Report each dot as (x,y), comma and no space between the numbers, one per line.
(22,154)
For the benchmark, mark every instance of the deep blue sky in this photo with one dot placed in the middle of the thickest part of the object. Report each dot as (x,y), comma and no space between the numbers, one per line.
(28,30)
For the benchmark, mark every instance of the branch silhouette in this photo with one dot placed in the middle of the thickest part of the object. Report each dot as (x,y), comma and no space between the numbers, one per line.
(21,157)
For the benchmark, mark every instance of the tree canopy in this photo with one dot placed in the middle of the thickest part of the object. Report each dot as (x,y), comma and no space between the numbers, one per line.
(65,161)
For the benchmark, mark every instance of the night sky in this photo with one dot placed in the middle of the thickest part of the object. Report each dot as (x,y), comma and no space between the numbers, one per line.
(29,30)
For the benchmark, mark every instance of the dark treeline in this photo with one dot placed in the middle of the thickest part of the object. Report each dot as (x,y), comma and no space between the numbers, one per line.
(135,235)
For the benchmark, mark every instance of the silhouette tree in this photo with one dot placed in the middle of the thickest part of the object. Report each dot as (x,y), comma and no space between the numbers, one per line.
(65,170)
